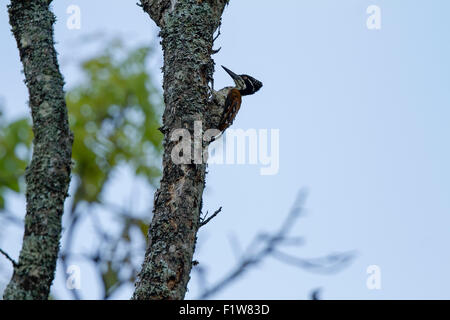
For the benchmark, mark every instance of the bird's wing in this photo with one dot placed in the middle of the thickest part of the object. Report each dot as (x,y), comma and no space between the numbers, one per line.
(232,106)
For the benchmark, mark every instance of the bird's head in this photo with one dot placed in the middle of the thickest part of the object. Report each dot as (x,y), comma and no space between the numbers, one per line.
(244,83)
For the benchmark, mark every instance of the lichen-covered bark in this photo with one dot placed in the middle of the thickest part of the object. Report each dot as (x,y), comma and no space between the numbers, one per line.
(187,28)
(48,175)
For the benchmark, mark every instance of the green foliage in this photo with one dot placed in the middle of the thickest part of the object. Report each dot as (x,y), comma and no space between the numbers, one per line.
(114,115)
(15,143)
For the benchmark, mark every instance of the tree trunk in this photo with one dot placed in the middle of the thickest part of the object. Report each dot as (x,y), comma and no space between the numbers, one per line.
(187,28)
(48,175)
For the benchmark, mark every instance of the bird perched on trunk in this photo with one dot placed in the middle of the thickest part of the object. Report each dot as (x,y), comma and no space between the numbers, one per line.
(231,97)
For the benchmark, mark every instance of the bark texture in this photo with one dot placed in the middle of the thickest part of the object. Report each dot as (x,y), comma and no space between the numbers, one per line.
(187,28)
(48,175)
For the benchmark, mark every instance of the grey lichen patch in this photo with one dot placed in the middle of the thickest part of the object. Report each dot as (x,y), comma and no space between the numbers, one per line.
(157,272)
(45,110)
(25,41)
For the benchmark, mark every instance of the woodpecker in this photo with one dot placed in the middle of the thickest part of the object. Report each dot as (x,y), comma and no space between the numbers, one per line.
(245,85)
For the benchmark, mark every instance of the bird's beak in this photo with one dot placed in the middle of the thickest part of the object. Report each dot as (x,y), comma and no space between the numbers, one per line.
(231,73)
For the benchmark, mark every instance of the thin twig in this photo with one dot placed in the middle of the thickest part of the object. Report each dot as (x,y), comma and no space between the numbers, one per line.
(327,264)
(205,221)
(9,258)
(218,31)
(213,51)
(216,51)
(252,256)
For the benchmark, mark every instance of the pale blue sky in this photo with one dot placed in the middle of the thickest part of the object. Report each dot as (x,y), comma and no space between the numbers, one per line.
(363,118)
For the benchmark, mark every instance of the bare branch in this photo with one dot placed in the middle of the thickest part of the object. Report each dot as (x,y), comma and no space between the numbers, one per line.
(328,264)
(48,174)
(178,202)
(205,220)
(252,256)
(218,31)
(265,245)
(9,258)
